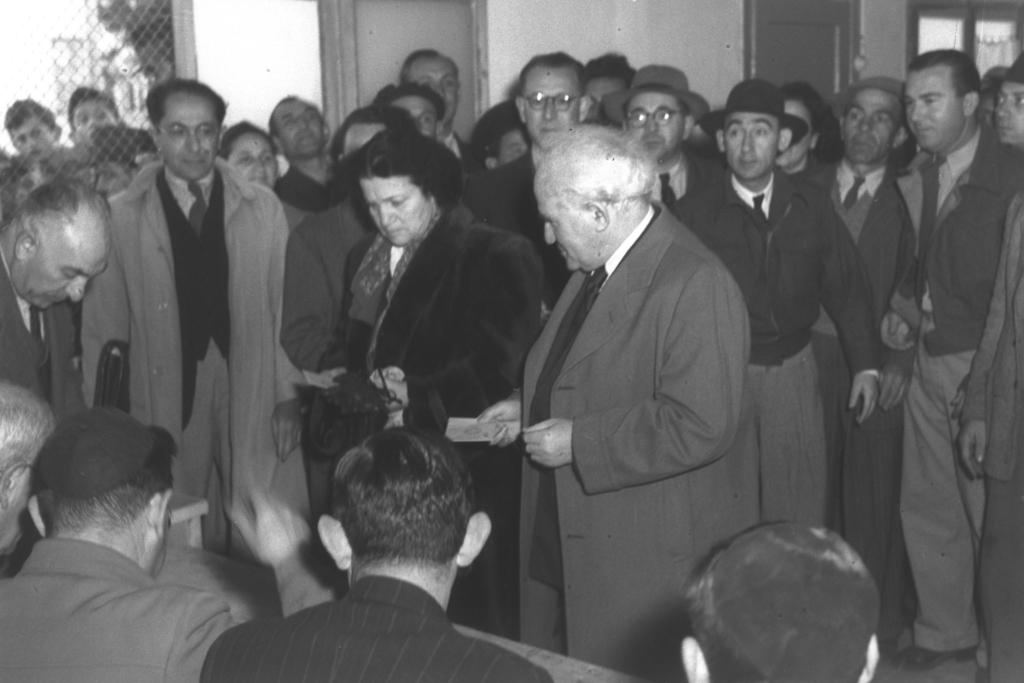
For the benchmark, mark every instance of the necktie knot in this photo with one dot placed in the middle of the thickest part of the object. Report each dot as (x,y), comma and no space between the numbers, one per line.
(592,287)
(854,193)
(759,204)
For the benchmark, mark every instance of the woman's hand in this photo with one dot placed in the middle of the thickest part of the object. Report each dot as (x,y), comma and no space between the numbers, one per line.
(392,379)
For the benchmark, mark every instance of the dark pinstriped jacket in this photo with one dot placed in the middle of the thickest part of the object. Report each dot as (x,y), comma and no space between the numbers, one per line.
(383,631)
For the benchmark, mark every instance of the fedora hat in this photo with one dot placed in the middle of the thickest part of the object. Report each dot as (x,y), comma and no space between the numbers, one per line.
(756,96)
(655,78)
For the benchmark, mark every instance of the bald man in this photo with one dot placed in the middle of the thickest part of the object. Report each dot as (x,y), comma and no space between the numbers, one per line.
(631,406)
(25,422)
(54,245)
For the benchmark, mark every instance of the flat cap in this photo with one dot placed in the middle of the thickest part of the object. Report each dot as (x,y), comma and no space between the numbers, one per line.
(93,452)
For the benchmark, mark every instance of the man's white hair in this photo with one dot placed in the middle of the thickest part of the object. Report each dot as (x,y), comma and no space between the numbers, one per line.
(25,422)
(596,164)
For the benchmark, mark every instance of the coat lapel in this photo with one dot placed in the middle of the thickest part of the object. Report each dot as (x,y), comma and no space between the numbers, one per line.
(879,221)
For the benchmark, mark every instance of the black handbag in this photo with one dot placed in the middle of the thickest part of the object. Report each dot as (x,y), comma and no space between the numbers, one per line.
(347,412)
(112,377)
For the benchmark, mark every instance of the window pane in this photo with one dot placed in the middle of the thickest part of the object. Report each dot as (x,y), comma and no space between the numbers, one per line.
(940,31)
(995,43)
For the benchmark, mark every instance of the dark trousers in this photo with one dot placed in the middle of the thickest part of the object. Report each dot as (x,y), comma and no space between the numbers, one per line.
(1002,576)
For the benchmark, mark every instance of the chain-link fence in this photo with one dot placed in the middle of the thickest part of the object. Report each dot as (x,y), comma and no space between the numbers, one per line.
(73,84)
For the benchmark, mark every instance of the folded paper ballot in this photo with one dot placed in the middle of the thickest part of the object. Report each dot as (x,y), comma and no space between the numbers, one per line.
(464,429)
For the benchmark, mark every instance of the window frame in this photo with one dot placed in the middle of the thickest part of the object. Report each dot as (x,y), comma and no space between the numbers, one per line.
(970,11)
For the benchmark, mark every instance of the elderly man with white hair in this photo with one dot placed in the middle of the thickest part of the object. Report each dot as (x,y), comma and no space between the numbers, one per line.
(25,422)
(632,414)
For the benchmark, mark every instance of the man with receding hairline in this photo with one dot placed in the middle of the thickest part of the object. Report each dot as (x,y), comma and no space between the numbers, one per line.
(25,422)
(54,245)
(300,132)
(630,411)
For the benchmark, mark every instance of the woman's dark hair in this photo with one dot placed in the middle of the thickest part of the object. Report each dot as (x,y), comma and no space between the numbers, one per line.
(823,120)
(426,162)
(231,135)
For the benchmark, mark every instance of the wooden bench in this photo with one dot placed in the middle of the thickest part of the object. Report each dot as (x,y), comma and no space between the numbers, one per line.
(562,669)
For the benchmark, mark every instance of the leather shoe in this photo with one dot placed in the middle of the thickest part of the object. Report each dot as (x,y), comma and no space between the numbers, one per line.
(916,658)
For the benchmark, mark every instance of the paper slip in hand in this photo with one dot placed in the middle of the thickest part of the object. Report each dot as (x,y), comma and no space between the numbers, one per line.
(322,380)
(463,429)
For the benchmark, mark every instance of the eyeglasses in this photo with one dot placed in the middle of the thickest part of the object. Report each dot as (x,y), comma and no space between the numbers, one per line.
(1015,99)
(538,101)
(205,133)
(638,118)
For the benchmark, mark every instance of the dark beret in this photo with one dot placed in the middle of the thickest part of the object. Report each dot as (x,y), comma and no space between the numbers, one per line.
(93,452)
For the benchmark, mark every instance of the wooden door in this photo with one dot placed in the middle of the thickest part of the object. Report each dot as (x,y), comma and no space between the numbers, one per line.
(800,40)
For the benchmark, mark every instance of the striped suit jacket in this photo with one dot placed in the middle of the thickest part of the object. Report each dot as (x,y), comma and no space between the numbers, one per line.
(383,631)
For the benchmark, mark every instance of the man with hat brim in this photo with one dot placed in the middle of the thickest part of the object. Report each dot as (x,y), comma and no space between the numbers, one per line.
(1009,112)
(785,246)
(85,606)
(659,109)
(782,602)
(864,463)
(423,104)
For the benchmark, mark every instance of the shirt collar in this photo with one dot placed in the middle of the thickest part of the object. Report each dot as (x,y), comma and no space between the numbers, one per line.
(180,185)
(747,197)
(845,177)
(616,258)
(960,160)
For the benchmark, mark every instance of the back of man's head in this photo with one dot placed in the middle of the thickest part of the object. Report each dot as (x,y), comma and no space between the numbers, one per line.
(782,603)
(25,422)
(595,163)
(102,471)
(403,498)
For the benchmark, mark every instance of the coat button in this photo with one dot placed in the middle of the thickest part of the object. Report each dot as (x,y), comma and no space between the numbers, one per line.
(162,306)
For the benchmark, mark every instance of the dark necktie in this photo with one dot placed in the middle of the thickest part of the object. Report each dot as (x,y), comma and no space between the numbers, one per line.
(198,211)
(668,195)
(852,195)
(929,212)
(35,318)
(758,201)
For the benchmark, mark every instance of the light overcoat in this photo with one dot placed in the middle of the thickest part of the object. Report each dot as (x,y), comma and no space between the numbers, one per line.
(135,299)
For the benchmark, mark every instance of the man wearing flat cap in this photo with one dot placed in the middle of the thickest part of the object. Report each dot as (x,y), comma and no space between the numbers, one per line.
(782,603)
(865,460)
(423,104)
(85,606)
(783,243)
(660,110)
(1009,112)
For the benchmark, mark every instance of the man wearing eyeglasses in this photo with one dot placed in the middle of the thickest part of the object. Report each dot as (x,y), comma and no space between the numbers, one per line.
(659,110)
(551,100)
(194,285)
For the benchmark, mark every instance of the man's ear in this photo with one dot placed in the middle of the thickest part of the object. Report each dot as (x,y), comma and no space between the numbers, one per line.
(13,479)
(872,661)
(785,138)
(599,214)
(899,138)
(720,137)
(37,515)
(586,104)
(477,531)
(521,108)
(694,664)
(156,512)
(971,101)
(688,123)
(335,541)
(27,242)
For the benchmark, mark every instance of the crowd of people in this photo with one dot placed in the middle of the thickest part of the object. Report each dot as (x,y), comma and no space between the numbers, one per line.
(697,338)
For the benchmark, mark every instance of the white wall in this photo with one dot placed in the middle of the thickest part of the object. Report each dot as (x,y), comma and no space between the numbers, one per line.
(704,38)
(884,37)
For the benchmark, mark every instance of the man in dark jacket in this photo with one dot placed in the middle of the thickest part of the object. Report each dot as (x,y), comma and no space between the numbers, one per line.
(402,524)
(865,461)
(958,191)
(785,246)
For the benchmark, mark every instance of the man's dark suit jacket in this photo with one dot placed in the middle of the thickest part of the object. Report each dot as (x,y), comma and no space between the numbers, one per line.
(384,630)
(19,356)
(504,198)
(302,192)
